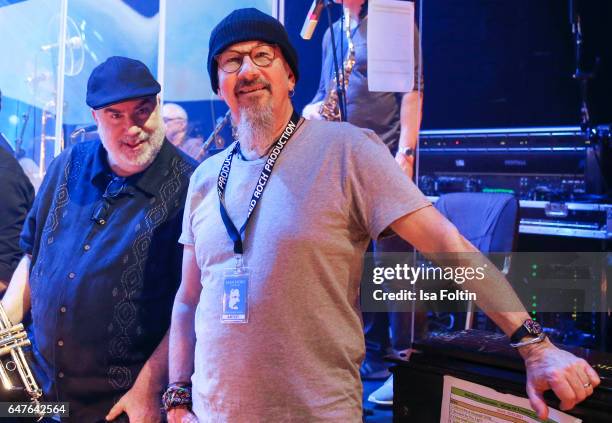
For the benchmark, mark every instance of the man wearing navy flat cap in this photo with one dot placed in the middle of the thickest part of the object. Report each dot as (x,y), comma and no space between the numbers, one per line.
(102,263)
(266,324)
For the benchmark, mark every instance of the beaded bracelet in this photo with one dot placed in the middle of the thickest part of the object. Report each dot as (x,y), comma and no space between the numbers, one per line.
(177,396)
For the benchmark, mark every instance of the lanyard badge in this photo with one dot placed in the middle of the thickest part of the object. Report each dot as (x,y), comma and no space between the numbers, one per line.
(236,279)
(236,295)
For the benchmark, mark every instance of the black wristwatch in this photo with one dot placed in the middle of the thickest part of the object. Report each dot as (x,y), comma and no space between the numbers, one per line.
(529,328)
(406,151)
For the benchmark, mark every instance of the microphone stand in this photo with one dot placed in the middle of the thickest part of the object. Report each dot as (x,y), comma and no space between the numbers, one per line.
(580,75)
(19,153)
(339,85)
(599,151)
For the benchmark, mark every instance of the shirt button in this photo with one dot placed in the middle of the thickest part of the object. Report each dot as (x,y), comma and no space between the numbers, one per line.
(60,343)
(60,375)
(62,309)
(86,247)
(71,275)
(102,222)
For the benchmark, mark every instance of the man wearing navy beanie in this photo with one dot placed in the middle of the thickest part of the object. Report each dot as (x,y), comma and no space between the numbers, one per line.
(266,324)
(246,25)
(102,264)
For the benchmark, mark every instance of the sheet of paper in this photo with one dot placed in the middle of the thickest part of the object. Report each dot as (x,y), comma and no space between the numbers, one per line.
(464,402)
(390,45)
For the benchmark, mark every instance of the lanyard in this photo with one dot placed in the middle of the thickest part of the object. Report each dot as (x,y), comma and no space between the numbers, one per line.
(277,149)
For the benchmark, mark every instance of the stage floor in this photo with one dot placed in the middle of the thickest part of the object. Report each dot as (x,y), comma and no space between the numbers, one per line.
(375,413)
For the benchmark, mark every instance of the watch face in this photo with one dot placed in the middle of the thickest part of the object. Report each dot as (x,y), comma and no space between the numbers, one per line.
(533,327)
(406,151)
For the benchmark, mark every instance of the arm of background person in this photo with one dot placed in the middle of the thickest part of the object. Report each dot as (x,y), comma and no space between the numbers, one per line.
(16,301)
(410,121)
(17,198)
(411,111)
(311,110)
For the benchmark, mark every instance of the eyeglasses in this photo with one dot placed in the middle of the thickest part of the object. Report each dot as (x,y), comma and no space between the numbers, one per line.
(231,61)
(169,119)
(114,189)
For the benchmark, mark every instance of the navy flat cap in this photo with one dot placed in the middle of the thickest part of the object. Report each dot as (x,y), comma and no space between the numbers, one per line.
(119,79)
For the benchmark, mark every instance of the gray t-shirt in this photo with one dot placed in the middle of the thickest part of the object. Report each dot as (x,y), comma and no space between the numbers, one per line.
(297,359)
(378,111)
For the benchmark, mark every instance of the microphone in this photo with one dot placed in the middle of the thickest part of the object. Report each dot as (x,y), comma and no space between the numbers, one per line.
(72,42)
(312,19)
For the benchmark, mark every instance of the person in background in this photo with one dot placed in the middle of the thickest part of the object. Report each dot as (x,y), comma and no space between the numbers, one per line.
(176,122)
(395,118)
(17,198)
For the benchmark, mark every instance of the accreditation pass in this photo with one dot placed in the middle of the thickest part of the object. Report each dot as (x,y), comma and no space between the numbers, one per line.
(236,295)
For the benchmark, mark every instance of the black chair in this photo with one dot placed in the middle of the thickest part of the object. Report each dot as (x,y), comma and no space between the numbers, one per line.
(488,220)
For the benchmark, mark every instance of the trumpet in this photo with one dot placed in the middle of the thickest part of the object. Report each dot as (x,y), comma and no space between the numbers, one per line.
(12,339)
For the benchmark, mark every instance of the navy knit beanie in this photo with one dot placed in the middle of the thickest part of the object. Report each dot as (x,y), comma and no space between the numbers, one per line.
(248,24)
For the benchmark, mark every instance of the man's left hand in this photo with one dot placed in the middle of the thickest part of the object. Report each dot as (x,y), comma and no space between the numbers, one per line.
(140,405)
(571,378)
(405,164)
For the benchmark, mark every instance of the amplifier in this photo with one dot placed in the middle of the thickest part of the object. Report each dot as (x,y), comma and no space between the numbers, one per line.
(555,172)
(584,220)
(541,164)
(581,220)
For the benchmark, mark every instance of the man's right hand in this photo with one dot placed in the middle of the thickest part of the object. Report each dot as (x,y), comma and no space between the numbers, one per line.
(571,378)
(181,415)
(311,111)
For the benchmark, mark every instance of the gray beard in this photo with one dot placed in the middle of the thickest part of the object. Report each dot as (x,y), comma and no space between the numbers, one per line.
(146,157)
(254,131)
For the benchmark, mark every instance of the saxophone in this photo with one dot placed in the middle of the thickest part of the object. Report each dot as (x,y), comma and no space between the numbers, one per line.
(330,109)
(214,136)
(12,339)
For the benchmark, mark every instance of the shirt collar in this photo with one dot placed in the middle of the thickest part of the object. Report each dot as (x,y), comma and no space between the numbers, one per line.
(152,177)
(100,169)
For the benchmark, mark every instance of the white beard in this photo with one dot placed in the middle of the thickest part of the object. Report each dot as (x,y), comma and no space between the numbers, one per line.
(255,130)
(140,160)
(155,143)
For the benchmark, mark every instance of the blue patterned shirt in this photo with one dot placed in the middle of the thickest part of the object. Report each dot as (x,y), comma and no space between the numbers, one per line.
(104,272)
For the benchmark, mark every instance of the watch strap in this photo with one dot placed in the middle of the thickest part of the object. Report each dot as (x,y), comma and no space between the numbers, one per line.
(528,328)
(541,337)
(406,151)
